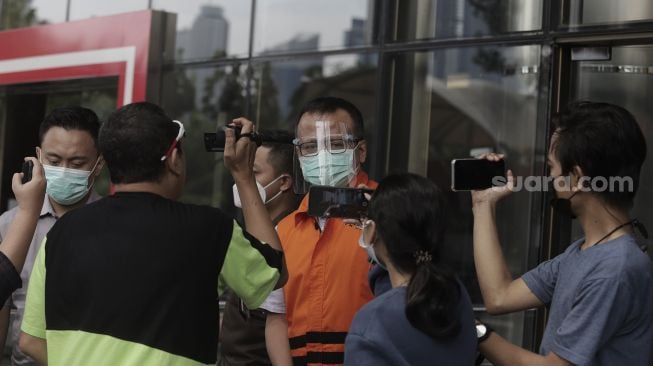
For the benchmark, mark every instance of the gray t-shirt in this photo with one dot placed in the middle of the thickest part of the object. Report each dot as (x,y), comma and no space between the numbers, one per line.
(600,301)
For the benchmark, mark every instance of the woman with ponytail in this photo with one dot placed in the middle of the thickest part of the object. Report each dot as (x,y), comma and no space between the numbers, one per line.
(427,317)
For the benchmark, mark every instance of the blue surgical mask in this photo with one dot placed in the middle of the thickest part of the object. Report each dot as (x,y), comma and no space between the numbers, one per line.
(335,170)
(67,186)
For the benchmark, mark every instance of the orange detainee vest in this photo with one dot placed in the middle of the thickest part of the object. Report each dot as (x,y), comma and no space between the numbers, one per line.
(327,283)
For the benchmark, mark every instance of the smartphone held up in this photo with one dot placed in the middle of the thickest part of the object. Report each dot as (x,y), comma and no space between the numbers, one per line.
(27,171)
(477,174)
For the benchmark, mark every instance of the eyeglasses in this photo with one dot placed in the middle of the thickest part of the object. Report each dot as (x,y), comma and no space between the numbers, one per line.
(181,134)
(334,146)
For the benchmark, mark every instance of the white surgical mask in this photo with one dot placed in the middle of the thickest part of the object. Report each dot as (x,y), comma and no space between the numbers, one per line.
(369,247)
(261,192)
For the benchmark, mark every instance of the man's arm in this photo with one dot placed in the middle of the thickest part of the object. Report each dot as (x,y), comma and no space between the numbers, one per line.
(21,230)
(501,294)
(276,339)
(501,352)
(276,329)
(239,159)
(34,347)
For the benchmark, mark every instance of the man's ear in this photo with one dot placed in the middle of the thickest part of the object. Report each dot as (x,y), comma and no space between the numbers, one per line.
(175,163)
(362,151)
(37,150)
(286,183)
(580,182)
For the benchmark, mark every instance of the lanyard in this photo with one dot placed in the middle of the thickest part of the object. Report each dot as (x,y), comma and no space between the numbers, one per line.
(636,225)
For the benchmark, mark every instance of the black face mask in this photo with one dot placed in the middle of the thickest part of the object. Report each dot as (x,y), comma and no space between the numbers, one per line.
(562,206)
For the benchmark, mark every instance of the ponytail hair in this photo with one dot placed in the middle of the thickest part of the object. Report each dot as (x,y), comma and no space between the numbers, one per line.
(409,211)
(431,299)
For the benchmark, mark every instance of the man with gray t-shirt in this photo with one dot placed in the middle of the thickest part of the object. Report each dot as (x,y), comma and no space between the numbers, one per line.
(612,281)
(69,154)
(600,290)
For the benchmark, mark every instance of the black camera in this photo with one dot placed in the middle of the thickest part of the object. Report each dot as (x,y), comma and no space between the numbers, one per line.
(214,141)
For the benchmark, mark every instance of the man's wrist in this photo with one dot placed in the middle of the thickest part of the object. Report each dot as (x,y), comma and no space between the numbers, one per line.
(28,210)
(483,331)
(243,178)
(484,206)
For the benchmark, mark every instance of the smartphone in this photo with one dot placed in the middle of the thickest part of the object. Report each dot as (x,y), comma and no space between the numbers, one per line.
(349,203)
(476,174)
(27,171)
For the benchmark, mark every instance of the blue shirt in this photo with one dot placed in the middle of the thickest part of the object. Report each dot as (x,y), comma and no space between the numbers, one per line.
(379,280)
(381,335)
(601,303)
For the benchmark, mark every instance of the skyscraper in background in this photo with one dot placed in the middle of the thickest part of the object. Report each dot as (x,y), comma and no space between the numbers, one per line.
(194,44)
(289,75)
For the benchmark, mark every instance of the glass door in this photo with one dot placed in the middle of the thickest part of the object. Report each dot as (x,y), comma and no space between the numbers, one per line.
(621,74)
(459,102)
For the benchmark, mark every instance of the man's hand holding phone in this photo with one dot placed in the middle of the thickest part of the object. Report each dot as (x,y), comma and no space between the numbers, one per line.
(496,193)
(29,186)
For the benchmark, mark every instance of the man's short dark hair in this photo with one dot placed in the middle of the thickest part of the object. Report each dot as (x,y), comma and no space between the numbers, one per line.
(604,140)
(281,154)
(134,139)
(71,118)
(324,105)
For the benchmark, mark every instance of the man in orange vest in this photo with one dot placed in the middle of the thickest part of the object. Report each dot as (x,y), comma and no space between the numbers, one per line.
(327,269)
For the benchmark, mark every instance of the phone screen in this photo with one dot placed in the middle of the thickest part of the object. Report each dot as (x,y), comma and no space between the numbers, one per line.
(476,174)
(325,201)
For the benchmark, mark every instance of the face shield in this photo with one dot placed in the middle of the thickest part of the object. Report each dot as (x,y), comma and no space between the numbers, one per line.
(324,155)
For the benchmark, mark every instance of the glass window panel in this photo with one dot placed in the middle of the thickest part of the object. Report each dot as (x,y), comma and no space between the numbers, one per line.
(204,99)
(281,88)
(459,102)
(24,13)
(625,80)
(208,29)
(424,19)
(592,12)
(83,9)
(299,25)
